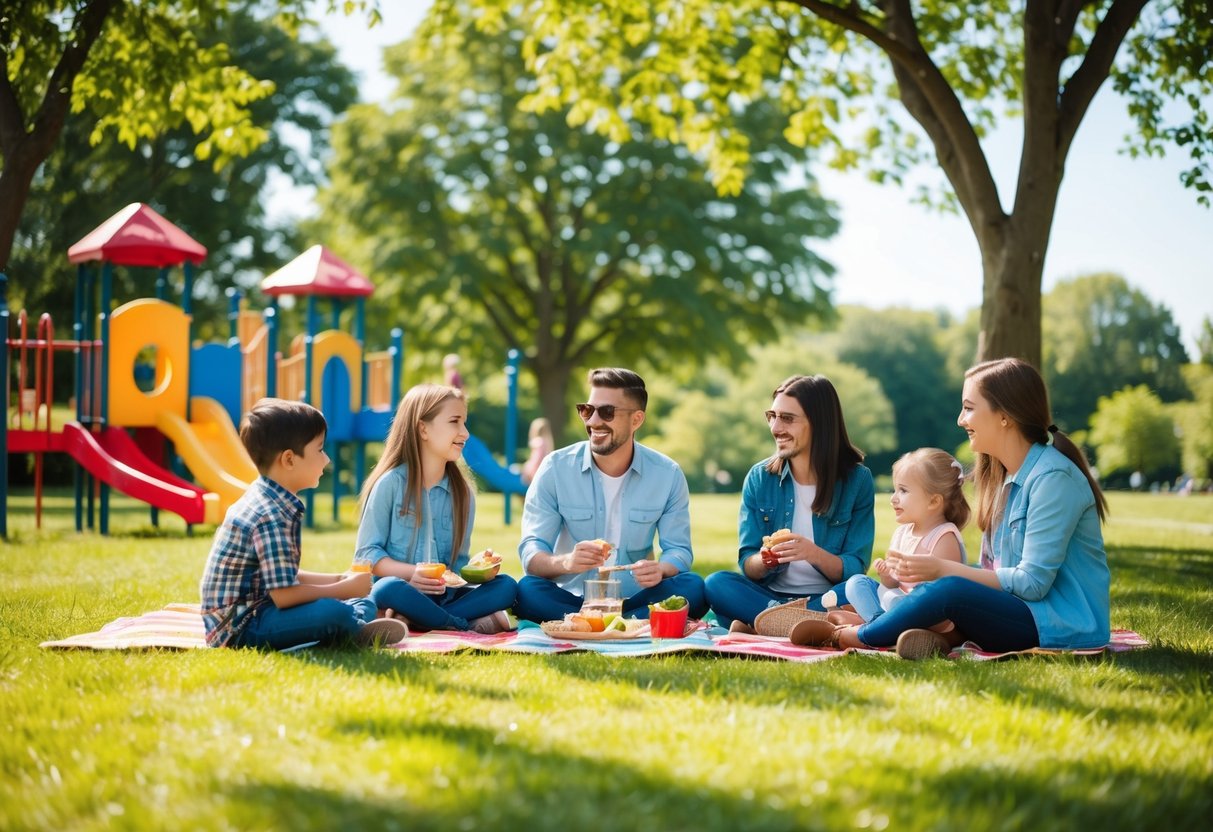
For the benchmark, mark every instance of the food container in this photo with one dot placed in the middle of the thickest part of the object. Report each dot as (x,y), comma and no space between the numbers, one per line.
(667,623)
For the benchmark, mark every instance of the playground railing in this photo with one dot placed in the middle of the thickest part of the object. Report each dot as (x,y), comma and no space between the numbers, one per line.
(254,361)
(379,380)
(292,377)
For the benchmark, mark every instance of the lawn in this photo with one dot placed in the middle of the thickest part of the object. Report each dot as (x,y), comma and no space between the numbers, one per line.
(369,739)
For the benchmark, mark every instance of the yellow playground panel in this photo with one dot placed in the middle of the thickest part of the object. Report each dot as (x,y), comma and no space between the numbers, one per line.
(134,327)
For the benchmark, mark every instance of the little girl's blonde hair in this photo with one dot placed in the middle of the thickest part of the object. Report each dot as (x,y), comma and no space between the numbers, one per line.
(940,474)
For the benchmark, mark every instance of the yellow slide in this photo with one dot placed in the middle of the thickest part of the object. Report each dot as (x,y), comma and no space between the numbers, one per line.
(211,449)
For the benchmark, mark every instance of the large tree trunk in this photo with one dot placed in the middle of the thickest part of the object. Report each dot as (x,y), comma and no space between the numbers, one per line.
(553,379)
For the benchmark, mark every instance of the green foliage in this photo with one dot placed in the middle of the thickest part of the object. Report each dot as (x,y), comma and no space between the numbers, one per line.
(1102,335)
(80,185)
(1195,421)
(580,247)
(1132,431)
(713,425)
(325,739)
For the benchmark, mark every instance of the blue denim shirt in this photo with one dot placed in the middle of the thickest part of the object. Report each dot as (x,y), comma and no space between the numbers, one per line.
(384,533)
(565,505)
(847,529)
(1051,552)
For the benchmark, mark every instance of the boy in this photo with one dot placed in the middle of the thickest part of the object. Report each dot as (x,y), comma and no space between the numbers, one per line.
(253,592)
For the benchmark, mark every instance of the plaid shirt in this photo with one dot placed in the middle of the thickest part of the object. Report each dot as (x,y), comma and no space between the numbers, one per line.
(257,549)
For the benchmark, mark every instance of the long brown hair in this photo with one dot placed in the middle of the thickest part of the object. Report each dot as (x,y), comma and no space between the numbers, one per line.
(1014,388)
(403,447)
(831,453)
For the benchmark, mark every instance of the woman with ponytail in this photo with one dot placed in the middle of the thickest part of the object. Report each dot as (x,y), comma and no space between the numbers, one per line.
(1043,580)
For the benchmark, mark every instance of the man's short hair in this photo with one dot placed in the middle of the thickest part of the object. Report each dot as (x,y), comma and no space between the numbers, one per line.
(276,425)
(618,378)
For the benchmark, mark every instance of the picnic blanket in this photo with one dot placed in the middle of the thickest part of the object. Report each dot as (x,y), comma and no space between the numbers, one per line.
(179,627)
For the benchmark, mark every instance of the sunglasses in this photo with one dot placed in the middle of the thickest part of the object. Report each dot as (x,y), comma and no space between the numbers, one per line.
(786,418)
(605,411)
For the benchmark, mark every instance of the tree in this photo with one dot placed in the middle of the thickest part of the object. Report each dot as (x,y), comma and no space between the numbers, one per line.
(1132,431)
(498,227)
(1102,335)
(1195,420)
(681,67)
(903,350)
(79,185)
(124,70)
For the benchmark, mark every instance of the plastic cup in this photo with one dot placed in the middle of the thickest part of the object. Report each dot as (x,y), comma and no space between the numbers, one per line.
(667,623)
(434,570)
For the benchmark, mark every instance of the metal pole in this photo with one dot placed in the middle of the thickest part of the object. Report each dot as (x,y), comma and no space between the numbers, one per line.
(511,419)
(4,379)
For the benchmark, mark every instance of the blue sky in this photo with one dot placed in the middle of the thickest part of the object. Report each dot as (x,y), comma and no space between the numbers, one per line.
(1129,216)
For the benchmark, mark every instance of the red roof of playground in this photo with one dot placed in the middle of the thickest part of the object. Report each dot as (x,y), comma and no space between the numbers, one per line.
(137,236)
(318,272)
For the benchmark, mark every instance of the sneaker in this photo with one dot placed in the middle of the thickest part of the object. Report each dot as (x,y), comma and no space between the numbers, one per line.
(498,622)
(381,632)
(739,626)
(922,644)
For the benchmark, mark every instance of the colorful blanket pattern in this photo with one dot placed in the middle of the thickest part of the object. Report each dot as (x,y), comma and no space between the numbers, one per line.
(179,627)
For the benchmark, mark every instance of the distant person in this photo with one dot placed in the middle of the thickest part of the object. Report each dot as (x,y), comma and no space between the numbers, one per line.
(450,368)
(418,507)
(930,506)
(253,592)
(541,444)
(807,520)
(608,490)
(1046,583)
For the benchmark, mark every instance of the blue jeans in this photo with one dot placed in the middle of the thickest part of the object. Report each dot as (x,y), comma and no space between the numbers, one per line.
(863,593)
(734,596)
(453,610)
(326,620)
(995,619)
(540,599)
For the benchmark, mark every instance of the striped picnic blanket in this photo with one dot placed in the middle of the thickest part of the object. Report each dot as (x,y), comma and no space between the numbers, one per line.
(179,627)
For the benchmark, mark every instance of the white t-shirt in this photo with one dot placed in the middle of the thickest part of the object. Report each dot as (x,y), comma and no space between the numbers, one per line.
(612,492)
(801,578)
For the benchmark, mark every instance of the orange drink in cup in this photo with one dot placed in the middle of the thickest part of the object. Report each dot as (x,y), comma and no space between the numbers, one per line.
(432,570)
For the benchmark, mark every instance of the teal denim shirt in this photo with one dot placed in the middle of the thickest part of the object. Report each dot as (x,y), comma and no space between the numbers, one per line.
(565,505)
(384,533)
(1051,553)
(847,529)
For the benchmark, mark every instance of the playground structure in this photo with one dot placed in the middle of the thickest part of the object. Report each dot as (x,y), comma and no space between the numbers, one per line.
(140,383)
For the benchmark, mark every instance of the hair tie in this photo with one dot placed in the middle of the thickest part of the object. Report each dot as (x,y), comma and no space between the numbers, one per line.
(960,476)
(1052,429)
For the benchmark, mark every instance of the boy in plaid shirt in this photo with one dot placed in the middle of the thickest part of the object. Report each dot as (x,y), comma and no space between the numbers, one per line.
(253,592)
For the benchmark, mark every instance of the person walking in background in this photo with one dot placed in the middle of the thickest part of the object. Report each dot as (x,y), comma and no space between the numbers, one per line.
(541,444)
(253,592)
(609,490)
(929,503)
(1045,581)
(450,370)
(418,507)
(817,492)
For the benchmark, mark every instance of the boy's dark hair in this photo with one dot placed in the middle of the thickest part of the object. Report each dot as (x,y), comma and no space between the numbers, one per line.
(618,378)
(275,425)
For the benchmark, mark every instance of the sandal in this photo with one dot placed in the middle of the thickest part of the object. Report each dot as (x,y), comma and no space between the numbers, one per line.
(779,620)
(813,632)
(922,644)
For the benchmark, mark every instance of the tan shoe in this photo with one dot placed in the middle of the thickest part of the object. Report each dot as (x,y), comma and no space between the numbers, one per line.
(813,632)
(739,626)
(382,632)
(922,644)
(497,622)
(779,620)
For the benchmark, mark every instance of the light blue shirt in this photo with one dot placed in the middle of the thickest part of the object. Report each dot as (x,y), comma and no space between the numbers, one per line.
(565,505)
(385,533)
(1051,552)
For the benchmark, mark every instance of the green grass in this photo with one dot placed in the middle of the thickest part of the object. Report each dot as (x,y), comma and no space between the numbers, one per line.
(364,739)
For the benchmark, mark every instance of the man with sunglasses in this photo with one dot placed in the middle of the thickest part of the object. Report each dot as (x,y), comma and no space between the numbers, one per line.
(607,488)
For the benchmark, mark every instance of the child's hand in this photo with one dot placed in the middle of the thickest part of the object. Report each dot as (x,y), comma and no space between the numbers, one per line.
(882,567)
(357,584)
(919,568)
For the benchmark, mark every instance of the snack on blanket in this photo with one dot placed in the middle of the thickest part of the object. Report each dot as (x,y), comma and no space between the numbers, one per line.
(452,580)
(768,541)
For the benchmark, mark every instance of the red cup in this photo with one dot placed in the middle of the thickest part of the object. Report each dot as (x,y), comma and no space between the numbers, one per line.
(667,623)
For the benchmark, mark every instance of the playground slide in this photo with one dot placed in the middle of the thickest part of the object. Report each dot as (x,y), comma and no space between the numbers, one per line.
(113,458)
(193,442)
(214,427)
(480,459)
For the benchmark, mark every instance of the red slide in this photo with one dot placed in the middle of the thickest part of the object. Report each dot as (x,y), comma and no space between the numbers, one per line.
(114,458)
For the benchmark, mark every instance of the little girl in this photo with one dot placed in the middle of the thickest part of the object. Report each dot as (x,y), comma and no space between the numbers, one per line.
(417,506)
(929,501)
